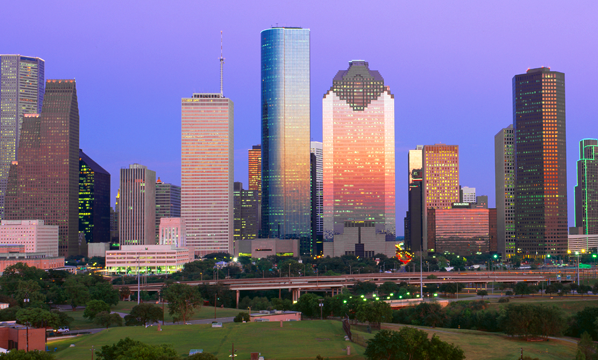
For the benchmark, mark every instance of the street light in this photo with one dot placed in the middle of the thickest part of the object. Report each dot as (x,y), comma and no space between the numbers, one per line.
(26,299)
(321,308)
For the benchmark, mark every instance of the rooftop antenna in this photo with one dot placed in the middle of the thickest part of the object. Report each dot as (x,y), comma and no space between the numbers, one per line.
(221,65)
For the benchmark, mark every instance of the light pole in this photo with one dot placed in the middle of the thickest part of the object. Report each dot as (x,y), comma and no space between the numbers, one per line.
(421,275)
(321,308)
(138,281)
(577,254)
(26,299)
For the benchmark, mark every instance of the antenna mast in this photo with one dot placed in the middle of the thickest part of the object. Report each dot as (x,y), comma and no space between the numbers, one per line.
(221,64)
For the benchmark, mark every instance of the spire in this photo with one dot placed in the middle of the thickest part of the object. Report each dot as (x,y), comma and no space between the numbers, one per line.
(221,64)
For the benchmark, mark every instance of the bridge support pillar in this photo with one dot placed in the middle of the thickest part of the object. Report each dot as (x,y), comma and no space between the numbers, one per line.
(237,299)
(296,294)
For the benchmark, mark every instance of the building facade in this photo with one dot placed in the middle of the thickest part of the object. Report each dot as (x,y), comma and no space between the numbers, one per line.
(440,183)
(207,169)
(168,203)
(318,150)
(12,254)
(540,163)
(360,238)
(414,216)
(504,172)
(44,182)
(255,169)
(262,248)
(173,231)
(467,195)
(147,259)
(247,212)
(21,92)
(33,234)
(137,215)
(359,151)
(285,75)
(459,231)
(586,190)
(94,200)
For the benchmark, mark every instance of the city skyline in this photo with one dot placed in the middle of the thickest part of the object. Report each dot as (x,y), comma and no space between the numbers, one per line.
(487,108)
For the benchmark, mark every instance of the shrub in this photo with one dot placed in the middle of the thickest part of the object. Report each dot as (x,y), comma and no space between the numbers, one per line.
(503,300)
(242,316)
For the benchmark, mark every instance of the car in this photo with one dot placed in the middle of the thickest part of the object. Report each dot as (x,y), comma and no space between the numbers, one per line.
(63,330)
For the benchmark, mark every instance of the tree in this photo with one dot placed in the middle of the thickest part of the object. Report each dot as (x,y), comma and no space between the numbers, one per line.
(441,350)
(38,318)
(94,307)
(586,347)
(242,316)
(106,292)
(128,349)
(76,292)
(482,293)
(522,288)
(374,312)
(388,288)
(202,356)
(24,355)
(364,287)
(63,319)
(182,301)
(518,320)
(584,321)
(124,292)
(143,314)
(29,289)
(308,304)
(105,318)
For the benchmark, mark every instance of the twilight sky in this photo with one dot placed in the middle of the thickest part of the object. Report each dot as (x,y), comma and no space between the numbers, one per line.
(448,63)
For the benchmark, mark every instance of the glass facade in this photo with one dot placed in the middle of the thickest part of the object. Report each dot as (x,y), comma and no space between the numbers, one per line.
(44,183)
(285,79)
(255,169)
(21,92)
(540,163)
(137,204)
(318,150)
(459,231)
(94,200)
(440,185)
(504,171)
(586,190)
(359,152)
(207,168)
(247,211)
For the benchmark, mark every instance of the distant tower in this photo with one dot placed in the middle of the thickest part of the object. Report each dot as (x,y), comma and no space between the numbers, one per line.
(94,200)
(21,92)
(318,151)
(586,190)
(44,182)
(413,220)
(540,163)
(168,202)
(286,206)
(207,169)
(359,151)
(504,170)
(137,216)
(255,169)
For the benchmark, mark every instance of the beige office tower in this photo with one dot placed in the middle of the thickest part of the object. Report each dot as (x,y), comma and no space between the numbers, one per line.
(137,215)
(207,169)
(414,161)
(440,164)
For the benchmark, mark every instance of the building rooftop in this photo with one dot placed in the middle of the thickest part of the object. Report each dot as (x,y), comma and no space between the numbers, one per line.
(92,164)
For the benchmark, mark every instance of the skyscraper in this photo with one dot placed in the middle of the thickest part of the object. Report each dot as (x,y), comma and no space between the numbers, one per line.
(285,77)
(414,216)
(94,200)
(137,215)
(359,151)
(168,202)
(540,163)
(317,150)
(21,92)
(504,172)
(255,169)
(586,190)
(467,195)
(207,168)
(246,213)
(44,182)
(440,185)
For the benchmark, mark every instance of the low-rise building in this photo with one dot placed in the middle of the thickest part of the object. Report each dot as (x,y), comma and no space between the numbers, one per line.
(148,259)
(13,254)
(21,337)
(589,242)
(360,238)
(97,249)
(462,231)
(36,236)
(275,315)
(261,248)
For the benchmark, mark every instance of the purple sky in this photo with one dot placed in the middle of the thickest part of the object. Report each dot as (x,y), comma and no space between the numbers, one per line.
(449,67)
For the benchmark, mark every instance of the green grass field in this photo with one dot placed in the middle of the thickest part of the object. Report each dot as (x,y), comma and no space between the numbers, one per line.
(480,345)
(296,340)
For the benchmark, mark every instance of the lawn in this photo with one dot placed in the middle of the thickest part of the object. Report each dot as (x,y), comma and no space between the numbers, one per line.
(480,345)
(295,340)
(569,304)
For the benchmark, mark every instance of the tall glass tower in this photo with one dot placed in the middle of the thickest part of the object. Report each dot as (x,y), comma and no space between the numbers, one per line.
(504,172)
(21,92)
(359,151)
(540,163)
(286,203)
(586,190)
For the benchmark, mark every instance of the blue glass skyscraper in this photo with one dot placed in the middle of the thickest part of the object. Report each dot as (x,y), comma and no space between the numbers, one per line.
(286,204)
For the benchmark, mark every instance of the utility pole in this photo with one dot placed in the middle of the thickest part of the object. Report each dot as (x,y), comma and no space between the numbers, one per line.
(233,352)
(215,299)
(138,282)
(421,275)
(92,352)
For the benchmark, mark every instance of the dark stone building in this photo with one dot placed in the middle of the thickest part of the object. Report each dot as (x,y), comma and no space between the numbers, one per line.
(586,190)
(94,200)
(168,202)
(540,163)
(44,182)
(246,213)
